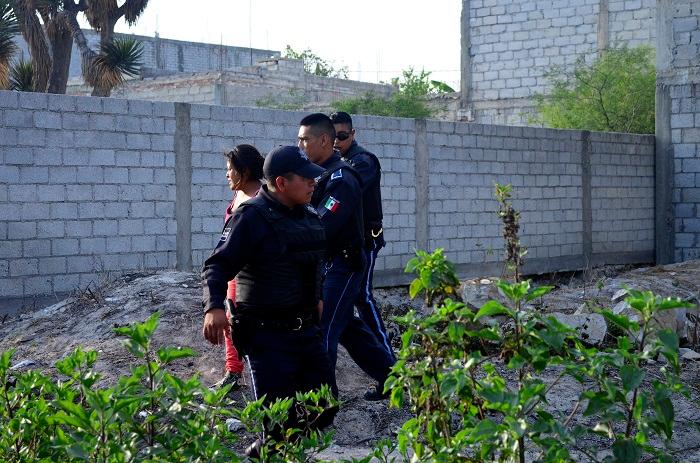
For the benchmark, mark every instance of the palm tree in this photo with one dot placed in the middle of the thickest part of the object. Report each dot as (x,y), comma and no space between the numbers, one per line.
(50,26)
(8,28)
(44,26)
(106,68)
(33,34)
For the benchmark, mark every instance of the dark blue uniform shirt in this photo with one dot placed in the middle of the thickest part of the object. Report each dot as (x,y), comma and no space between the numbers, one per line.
(338,202)
(246,236)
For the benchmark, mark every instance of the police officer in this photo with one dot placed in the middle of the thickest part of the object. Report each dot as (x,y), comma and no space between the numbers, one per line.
(338,200)
(274,245)
(367,165)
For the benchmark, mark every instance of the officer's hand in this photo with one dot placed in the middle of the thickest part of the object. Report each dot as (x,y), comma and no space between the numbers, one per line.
(215,322)
(319,307)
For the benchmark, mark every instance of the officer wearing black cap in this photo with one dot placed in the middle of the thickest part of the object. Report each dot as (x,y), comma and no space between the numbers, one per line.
(274,245)
(338,200)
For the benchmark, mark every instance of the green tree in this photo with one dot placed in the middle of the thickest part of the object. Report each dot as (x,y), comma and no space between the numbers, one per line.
(50,26)
(44,26)
(105,68)
(614,93)
(409,99)
(314,64)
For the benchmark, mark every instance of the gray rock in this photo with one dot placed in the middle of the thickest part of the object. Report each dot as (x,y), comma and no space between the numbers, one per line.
(689,354)
(23,364)
(591,326)
(234,425)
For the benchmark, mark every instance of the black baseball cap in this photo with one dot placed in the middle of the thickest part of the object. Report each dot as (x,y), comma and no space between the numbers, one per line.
(285,159)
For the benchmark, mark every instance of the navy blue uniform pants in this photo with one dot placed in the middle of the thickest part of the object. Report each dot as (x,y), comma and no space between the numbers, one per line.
(341,288)
(284,362)
(365,303)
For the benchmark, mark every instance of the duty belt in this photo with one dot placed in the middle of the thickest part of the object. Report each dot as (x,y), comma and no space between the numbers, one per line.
(282,324)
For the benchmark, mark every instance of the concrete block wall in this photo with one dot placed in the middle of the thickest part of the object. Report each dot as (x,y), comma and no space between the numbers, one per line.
(188,88)
(257,86)
(544,168)
(622,193)
(174,55)
(92,185)
(632,22)
(678,84)
(87,187)
(515,43)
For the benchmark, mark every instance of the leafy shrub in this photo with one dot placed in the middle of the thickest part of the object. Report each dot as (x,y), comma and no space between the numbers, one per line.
(436,276)
(149,415)
(314,64)
(614,93)
(476,385)
(409,100)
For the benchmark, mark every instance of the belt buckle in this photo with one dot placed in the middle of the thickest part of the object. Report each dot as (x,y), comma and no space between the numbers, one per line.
(301,323)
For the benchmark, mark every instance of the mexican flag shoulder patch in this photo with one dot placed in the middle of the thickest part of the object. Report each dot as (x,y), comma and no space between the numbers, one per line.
(332,204)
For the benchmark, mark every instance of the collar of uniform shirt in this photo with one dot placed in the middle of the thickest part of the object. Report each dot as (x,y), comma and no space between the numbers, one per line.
(334,158)
(295,211)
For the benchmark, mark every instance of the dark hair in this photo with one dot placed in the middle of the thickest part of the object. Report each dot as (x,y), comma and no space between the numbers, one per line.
(246,159)
(320,124)
(341,117)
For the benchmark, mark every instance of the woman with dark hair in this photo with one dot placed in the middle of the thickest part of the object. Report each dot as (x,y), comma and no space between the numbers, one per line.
(244,172)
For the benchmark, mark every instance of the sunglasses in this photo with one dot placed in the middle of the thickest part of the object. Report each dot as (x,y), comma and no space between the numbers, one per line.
(342,136)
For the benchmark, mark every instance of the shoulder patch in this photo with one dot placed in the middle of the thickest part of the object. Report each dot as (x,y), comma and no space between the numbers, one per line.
(225,233)
(337,174)
(310,209)
(331,204)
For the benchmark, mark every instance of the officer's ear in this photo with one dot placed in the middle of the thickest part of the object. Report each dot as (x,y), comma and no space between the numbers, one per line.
(327,140)
(280,183)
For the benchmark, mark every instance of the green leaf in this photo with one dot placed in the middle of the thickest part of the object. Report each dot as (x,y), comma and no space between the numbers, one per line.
(597,402)
(492,308)
(489,334)
(484,430)
(76,451)
(626,451)
(538,292)
(448,386)
(6,359)
(631,376)
(411,265)
(619,320)
(456,331)
(664,414)
(415,288)
(669,339)
(168,354)
(673,303)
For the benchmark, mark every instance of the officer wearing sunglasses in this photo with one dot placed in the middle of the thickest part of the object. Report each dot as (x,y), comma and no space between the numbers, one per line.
(368,167)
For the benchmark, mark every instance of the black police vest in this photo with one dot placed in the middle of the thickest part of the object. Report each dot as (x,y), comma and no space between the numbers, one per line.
(351,238)
(291,279)
(372,197)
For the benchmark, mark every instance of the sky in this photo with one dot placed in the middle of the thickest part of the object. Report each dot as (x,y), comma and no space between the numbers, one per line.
(375,39)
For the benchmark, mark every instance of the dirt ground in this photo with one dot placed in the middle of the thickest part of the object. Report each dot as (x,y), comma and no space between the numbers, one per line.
(88,318)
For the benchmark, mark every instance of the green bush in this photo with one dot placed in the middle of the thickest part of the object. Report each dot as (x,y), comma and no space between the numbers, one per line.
(149,415)
(409,99)
(476,385)
(614,93)
(398,105)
